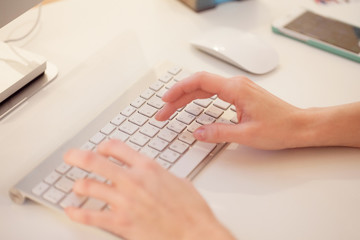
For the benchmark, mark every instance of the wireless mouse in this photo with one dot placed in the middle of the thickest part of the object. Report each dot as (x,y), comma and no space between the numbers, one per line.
(241,49)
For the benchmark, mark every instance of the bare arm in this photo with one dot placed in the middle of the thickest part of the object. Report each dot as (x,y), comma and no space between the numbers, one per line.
(145,201)
(331,126)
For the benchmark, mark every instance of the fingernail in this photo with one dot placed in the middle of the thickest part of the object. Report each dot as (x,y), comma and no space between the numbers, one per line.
(200,133)
(158,114)
(164,96)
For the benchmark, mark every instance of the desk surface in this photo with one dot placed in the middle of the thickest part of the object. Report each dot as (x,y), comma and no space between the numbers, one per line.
(310,193)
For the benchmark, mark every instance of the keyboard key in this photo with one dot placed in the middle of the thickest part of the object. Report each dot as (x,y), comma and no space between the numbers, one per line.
(148,110)
(214,112)
(156,86)
(72,200)
(139,139)
(157,123)
(163,163)
(179,146)
(149,130)
(133,145)
(128,111)
(108,129)
(114,160)
(65,184)
(182,75)
(147,94)
(39,189)
(161,92)
(76,173)
(192,158)
(98,177)
(221,104)
(63,168)
(194,109)
(88,146)
(176,126)
(193,127)
(203,102)
(150,152)
(235,120)
(205,119)
(119,119)
(165,78)
(52,177)
(94,204)
(223,120)
(172,116)
(156,102)
(138,102)
(169,155)
(129,128)
(180,109)
(187,137)
(97,138)
(185,117)
(174,70)
(138,119)
(170,84)
(158,144)
(53,195)
(167,135)
(119,135)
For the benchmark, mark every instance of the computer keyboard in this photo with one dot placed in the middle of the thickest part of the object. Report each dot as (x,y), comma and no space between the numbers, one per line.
(170,143)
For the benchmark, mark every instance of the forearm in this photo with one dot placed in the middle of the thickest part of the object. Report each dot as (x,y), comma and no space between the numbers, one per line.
(329,126)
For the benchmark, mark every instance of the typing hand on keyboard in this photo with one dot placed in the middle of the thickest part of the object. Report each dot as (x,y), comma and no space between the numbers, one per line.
(144,201)
(263,120)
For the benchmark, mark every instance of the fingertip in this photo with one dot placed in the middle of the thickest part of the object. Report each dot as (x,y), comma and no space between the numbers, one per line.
(76,215)
(159,115)
(69,155)
(216,132)
(165,97)
(70,212)
(78,186)
(200,134)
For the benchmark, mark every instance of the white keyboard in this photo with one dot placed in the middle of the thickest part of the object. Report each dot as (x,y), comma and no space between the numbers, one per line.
(170,143)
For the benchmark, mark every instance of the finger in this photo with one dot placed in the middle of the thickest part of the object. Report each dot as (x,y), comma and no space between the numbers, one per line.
(96,163)
(101,219)
(204,81)
(98,190)
(170,108)
(120,151)
(220,132)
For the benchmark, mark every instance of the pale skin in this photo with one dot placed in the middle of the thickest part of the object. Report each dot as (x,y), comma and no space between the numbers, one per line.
(147,202)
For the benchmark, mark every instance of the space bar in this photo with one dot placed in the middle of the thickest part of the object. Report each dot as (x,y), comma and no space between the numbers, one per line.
(192,158)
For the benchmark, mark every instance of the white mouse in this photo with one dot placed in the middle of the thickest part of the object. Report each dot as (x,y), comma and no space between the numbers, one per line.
(241,49)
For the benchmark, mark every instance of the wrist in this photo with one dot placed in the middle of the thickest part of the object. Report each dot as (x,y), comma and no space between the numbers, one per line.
(328,126)
(309,125)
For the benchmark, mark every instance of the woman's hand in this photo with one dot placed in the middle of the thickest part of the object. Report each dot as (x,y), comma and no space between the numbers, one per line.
(145,201)
(264,120)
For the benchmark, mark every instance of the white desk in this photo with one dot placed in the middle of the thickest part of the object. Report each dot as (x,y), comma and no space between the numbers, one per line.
(298,194)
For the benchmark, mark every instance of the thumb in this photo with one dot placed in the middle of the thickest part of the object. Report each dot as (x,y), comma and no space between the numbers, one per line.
(218,132)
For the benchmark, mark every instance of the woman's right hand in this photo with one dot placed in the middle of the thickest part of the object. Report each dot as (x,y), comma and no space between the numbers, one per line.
(264,120)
